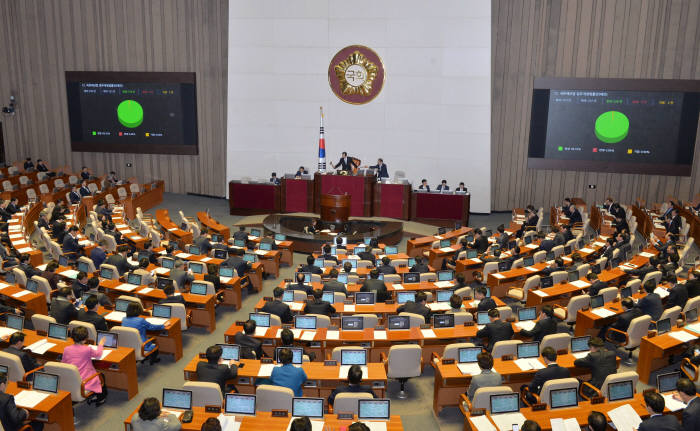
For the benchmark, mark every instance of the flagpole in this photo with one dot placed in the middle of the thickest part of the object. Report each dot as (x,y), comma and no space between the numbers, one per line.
(321,147)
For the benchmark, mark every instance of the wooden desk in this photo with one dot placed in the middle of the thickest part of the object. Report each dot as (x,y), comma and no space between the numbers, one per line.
(30,302)
(55,410)
(213,225)
(297,195)
(151,195)
(416,246)
(358,187)
(442,209)
(253,198)
(265,421)
(19,229)
(500,282)
(286,249)
(654,352)
(392,200)
(182,237)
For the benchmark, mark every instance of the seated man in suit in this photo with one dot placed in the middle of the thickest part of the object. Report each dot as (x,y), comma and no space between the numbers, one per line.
(215,372)
(687,395)
(333,285)
(443,187)
(74,196)
(424,185)
(374,284)
(310,267)
(236,262)
(203,241)
(327,254)
(346,163)
(300,285)
(596,285)
(481,243)
(556,265)
(13,206)
(673,224)
(90,314)
(288,375)
(277,307)
(11,416)
(651,304)
(25,266)
(545,244)
(575,216)
(180,276)
(273,179)
(496,330)
(559,236)
(16,347)
(693,283)
(621,225)
(601,361)
(84,190)
(171,297)
(485,304)
(28,165)
(79,284)
(487,378)
(50,274)
(62,308)
(622,323)
(146,276)
(461,188)
(44,219)
(657,421)
(301,171)
(118,259)
(385,267)
(251,347)
(417,307)
(566,207)
(241,234)
(382,170)
(98,254)
(354,385)
(71,247)
(678,294)
(270,239)
(546,324)
(318,305)
(551,372)
(93,284)
(85,173)
(420,266)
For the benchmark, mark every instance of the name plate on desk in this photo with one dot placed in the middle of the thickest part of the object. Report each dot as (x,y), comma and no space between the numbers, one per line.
(212,409)
(345,416)
(539,406)
(279,413)
(330,363)
(448,361)
(266,361)
(597,400)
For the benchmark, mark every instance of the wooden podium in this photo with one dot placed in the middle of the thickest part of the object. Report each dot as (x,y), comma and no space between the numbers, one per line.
(335,208)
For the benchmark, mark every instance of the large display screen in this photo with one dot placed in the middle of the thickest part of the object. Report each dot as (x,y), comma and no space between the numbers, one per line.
(132,112)
(614,125)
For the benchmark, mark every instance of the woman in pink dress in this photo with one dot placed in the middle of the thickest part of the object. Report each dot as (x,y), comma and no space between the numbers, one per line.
(80,354)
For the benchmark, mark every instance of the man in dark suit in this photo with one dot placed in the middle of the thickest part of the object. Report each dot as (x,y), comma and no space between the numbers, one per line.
(241,234)
(503,237)
(13,206)
(485,303)
(310,267)
(333,285)
(417,307)
(691,413)
(651,304)
(277,307)
(170,297)
(657,421)
(25,266)
(74,196)
(236,262)
(461,188)
(673,224)
(621,225)
(84,190)
(50,274)
(545,244)
(202,241)
(551,372)
(214,371)
(318,305)
(354,385)
(481,243)
(70,243)
(180,276)
(85,173)
(79,284)
(443,187)
(600,361)
(274,180)
(693,283)
(327,253)
(44,220)
(251,347)
(118,259)
(559,237)
(62,308)
(385,267)
(346,163)
(678,294)
(382,171)
(91,316)
(644,269)
(596,285)
(300,285)
(566,207)
(575,216)
(424,185)
(98,254)
(93,284)
(546,324)
(496,330)
(623,320)
(374,284)
(420,266)
(11,416)
(270,239)
(367,255)
(16,347)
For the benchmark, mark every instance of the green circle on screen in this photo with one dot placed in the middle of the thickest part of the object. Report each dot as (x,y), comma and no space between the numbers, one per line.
(611,127)
(130,113)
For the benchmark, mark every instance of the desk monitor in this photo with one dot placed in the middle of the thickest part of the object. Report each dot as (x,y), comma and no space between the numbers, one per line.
(167,262)
(163,282)
(365,297)
(343,240)
(84,267)
(447,275)
(240,405)
(297,354)
(134,279)
(334,250)
(615,262)
(391,249)
(444,295)
(411,277)
(225,271)
(32,285)
(529,350)
(373,409)
(342,278)
(177,399)
(563,398)
(265,246)
(472,254)
(256,233)
(528,239)
(404,296)
(319,262)
(111,339)
(353,357)
(288,296)
(597,301)
(353,262)
(352,323)
(62,260)
(121,304)
(620,390)
(304,322)
(549,256)
(528,261)
(411,262)
(307,277)
(503,265)
(580,344)
(504,403)
(15,321)
(667,382)
(198,289)
(220,254)
(528,313)
(467,355)
(104,273)
(458,224)
(443,320)
(56,330)
(626,292)
(250,257)
(10,277)
(573,275)
(45,382)
(482,318)
(163,311)
(470,238)
(328,297)
(398,322)
(260,319)
(445,243)
(567,249)
(359,249)
(691,315)
(194,249)
(663,326)
(239,243)
(280,237)
(309,407)
(367,240)
(196,267)
(381,276)
(595,268)
(215,237)
(442,230)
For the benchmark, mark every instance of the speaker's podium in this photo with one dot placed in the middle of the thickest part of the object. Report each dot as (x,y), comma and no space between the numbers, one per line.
(357,188)
(335,208)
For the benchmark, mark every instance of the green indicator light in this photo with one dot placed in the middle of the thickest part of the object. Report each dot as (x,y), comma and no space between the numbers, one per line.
(560,148)
(612,127)
(94,133)
(130,113)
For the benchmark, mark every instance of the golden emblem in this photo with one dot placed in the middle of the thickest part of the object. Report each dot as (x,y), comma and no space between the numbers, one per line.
(356,74)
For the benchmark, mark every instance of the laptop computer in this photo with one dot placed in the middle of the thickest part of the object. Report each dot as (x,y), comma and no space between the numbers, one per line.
(198,289)
(121,305)
(663,326)
(220,254)
(106,273)
(667,382)
(230,352)
(288,296)
(528,261)
(411,261)
(626,292)
(111,339)
(342,278)
(482,318)
(559,398)
(403,296)
(162,282)
(467,355)
(15,321)
(265,246)
(250,257)
(239,405)
(255,232)
(62,260)
(597,301)
(445,243)
(580,344)
(504,403)
(32,285)
(352,323)
(56,330)
(134,279)
(365,297)
(374,409)
(162,311)
(528,350)
(45,382)
(312,408)
(443,320)
(84,267)
(196,267)
(304,322)
(177,399)
(527,313)
(620,390)
(215,237)
(239,243)
(398,322)
(691,315)
(472,254)
(225,271)
(328,297)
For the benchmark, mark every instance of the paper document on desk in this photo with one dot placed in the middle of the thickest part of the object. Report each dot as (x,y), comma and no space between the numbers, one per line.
(184,255)
(526,364)
(625,418)
(375,425)
(343,372)
(443,284)
(70,273)
(532,246)
(497,275)
(579,355)
(332,335)
(586,250)
(6,332)
(173,229)
(266,370)
(527,325)
(40,347)
(599,244)
(531,268)
(673,404)
(603,312)
(308,336)
(380,335)
(447,249)
(229,422)
(661,292)
(580,284)
(104,354)
(206,259)
(349,308)
(260,331)
(121,226)
(115,315)
(541,293)
(646,254)
(559,424)
(482,423)
(126,287)
(156,320)
(25,250)
(428,333)
(29,399)
(85,242)
(683,336)
(16,236)
(296,306)
(566,259)
(145,290)
(161,271)
(225,280)
(475,302)
(505,421)
(438,237)
(471,368)
(136,237)
(476,260)
(21,293)
(260,252)
(695,327)
(439,306)
(397,286)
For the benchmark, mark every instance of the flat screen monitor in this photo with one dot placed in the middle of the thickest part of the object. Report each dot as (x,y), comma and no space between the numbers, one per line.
(549,256)
(367,240)
(216,237)
(162,311)
(503,265)
(597,301)
(352,323)
(353,357)
(504,403)
(443,320)
(620,390)
(84,267)
(196,267)
(15,321)
(198,289)
(667,382)
(374,409)
(528,313)
(111,340)
(163,282)
(250,257)
(528,261)
(45,382)
(466,355)
(297,354)
(445,243)
(58,331)
(304,322)
(225,271)
(288,296)
(444,295)
(528,239)
(411,262)
(365,297)
(580,344)
(328,297)
(220,254)
(238,404)
(342,278)
(256,233)
(404,296)
(62,260)
(394,322)
(567,249)
(121,305)
(239,242)
(309,407)
(626,292)
(566,397)
(32,285)
(663,326)
(134,279)
(106,273)
(280,237)
(390,249)
(260,319)
(319,262)
(447,275)
(166,262)
(572,276)
(442,230)
(595,268)
(411,277)
(528,350)
(10,277)
(472,254)
(265,246)
(482,318)
(691,315)
(194,249)
(177,399)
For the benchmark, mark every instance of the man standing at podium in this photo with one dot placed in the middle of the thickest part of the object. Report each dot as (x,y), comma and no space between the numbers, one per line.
(382,171)
(346,163)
